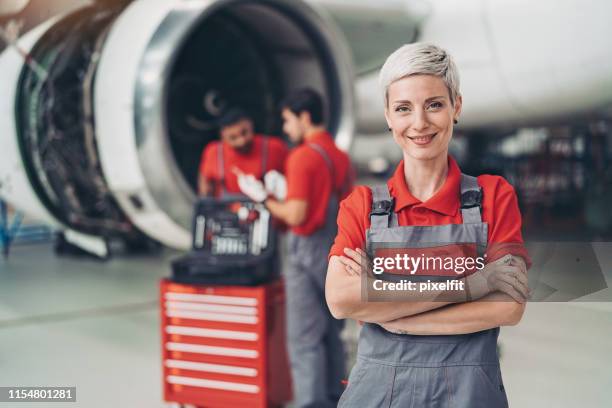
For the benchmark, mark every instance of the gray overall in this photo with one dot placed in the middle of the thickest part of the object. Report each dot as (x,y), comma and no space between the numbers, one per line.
(316,352)
(396,370)
(221,169)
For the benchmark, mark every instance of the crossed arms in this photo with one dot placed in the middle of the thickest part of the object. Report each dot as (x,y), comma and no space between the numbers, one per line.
(425,317)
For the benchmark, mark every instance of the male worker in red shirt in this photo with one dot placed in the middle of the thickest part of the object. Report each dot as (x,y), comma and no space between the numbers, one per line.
(239,148)
(318,176)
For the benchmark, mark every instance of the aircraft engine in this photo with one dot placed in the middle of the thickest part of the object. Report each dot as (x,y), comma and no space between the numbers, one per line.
(104,124)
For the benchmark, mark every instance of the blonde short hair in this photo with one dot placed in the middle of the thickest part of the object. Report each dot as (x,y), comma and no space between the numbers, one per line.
(420,59)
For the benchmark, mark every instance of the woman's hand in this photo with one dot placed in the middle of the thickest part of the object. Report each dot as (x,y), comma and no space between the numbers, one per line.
(356,261)
(507,274)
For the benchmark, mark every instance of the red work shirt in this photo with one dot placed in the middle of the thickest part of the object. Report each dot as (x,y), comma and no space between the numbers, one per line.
(499,209)
(249,163)
(309,179)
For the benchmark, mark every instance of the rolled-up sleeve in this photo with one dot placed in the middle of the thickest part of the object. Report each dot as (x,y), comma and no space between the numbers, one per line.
(352,221)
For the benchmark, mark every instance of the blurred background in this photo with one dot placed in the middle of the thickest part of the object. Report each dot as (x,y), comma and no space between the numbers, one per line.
(106,106)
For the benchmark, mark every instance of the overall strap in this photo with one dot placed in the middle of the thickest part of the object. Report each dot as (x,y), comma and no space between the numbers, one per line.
(382,214)
(330,165)
(328,162)
(264,156)
(325,156)
(221,168)
(471,200)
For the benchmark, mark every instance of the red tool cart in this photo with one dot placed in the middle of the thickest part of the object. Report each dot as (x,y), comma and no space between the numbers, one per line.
(223,315)
(223,346)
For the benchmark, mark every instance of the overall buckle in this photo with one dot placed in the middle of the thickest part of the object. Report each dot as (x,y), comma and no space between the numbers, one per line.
(471,199)
(382,207)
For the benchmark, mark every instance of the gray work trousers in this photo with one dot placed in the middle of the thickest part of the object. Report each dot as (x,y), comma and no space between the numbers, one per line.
(316,352)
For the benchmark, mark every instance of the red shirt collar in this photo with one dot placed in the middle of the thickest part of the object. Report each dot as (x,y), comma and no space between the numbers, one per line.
(319,137)
(445,201)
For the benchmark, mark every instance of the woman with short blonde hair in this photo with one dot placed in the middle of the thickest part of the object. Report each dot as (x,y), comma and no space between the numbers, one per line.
(439,348)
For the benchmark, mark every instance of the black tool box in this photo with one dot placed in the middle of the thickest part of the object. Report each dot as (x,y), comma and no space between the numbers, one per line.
(234,243)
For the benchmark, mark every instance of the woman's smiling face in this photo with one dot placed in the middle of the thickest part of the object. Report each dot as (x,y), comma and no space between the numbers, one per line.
(420,113)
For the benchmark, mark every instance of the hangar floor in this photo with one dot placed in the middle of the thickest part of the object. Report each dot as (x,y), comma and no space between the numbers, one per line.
(66,321)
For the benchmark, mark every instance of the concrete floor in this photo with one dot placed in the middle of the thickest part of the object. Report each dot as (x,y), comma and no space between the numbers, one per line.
(94,325)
